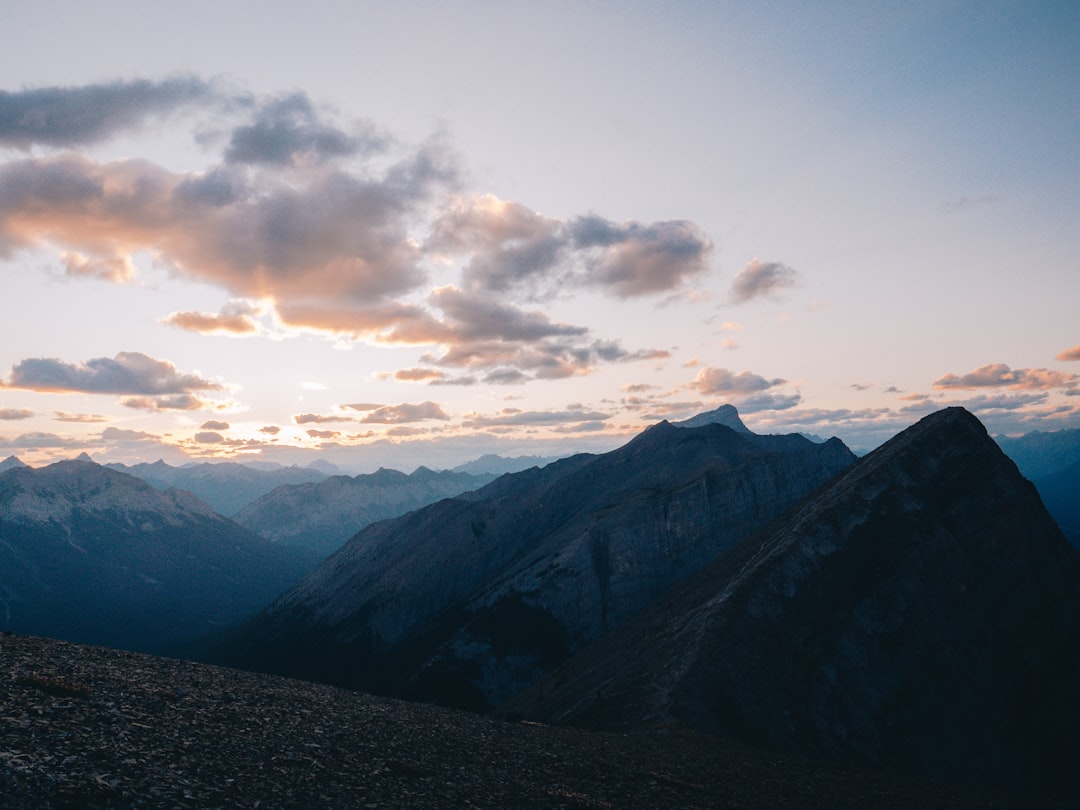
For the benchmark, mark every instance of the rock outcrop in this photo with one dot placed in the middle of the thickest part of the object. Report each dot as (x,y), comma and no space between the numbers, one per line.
(468,600)
(921,614)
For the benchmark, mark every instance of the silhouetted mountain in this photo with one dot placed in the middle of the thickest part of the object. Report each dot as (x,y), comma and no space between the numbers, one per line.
(11,462)
(94,555)
(226,486)
(322,516)
(921,613)
(498,465)
(468,600)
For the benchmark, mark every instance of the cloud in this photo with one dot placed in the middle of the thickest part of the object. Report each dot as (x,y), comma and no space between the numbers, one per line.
(270,430)
(214,424)
(323,434)
(36,440)
(510,247)
(127,373)
(14,414)
(119,269)
(760,279)
(418,374)
(287,131)
(513,417)
(999,375)
(75,116)
(720,382)
(171,402)
(318,419)
(1070,354)
(768,402)
(399,414)
(113,434)
(234,319)
(209,437)
(82,418)
(361,406)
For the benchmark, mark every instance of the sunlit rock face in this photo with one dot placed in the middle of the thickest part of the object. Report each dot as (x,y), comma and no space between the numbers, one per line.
(920,613)
(469,600)
(94,555)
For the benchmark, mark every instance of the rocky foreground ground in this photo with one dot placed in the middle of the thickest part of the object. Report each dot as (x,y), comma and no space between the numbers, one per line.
(87,727)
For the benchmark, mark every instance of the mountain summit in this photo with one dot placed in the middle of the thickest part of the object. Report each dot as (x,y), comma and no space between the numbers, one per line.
(726,415)
(921,613)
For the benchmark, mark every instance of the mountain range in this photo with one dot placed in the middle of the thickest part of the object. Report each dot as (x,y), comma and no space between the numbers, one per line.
(94,555)
(321,516)
(920,614)
(470,599)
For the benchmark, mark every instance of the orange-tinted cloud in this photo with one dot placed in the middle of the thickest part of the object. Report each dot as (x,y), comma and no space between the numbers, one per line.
(235,323)
(318,419)
(404,413)
(127,373)
(12,414)
(214,424)
(999,375)
(1070,354)
(720,381)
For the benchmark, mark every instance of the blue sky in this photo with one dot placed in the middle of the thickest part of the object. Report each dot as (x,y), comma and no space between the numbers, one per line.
(415,234)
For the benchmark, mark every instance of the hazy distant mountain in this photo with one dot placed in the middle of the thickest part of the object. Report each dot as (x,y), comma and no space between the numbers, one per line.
(226,486)
(11,462)
(920,613)
(1039,454)
(467,600)
(94,555)
(1060,492)
(498,465)
(322,516)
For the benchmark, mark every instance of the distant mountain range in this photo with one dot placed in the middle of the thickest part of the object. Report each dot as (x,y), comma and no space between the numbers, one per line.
(468,600)
(227,486)
(95,555)
(321,516)
(921,613)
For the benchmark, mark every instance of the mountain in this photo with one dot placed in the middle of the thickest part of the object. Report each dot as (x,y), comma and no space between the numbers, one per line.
(1060,491)
(11,462)
(322,516)
(921,614)
(724,415)
(468,600)
(1039,454)
(498,465)
(226,486)
(94,555)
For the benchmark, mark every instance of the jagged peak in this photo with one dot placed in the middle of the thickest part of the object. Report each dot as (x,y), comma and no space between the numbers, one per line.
(84,456)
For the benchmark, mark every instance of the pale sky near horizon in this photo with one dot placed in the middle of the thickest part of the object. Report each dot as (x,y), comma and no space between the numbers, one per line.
(414,233)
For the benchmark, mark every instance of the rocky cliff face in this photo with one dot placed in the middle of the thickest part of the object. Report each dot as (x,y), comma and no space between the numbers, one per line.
(90,554)
(468,600)
(921,613)
(322,516)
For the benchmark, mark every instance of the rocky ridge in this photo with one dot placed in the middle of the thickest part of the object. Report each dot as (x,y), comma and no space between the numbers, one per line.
(921,613)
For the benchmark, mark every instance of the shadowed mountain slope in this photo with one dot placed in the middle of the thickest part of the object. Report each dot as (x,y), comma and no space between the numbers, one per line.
(921,613)
(91,554)
(468,600)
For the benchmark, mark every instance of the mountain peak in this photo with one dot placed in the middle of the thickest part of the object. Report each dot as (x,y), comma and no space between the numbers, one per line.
(11,462)
(727,415)
(84,456)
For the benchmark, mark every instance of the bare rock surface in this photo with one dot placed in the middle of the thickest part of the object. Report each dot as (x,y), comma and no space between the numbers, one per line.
(90,727)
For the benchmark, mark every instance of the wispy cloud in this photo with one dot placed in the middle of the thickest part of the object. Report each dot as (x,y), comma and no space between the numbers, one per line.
(78,116)
(405,413)
(760,279)
(999,375)
(15,414)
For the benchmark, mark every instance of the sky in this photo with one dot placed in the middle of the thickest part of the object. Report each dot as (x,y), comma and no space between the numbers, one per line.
(415,233)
